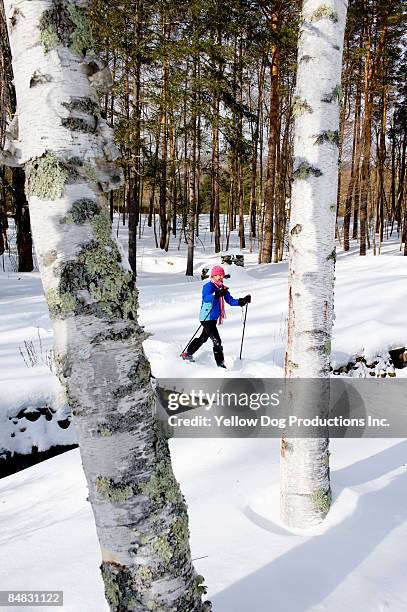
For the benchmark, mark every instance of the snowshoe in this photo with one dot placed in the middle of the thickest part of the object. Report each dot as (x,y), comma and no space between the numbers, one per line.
(186,357)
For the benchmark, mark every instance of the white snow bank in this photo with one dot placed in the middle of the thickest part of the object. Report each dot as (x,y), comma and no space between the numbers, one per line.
(355,560)
(24,319)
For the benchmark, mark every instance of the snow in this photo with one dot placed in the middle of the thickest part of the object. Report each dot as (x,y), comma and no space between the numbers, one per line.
(355,560)
(24,318)
(49,539)
(367,321)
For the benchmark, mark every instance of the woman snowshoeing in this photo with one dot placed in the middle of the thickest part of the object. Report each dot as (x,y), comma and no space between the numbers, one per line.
(214,296)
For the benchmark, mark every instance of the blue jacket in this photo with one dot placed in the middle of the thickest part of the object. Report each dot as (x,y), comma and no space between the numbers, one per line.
(210,309)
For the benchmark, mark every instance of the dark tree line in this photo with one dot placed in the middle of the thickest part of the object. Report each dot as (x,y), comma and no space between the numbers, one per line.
(12,196)
(203,108)
(372,197)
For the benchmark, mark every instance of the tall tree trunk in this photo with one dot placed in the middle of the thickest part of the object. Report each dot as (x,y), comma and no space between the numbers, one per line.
(192,180)
(151,209)
(8,107)
(305,486)
(134,175)
(22,220)
(214,220)
(367,138)
(401,187)
(67,150)
(174,177)
(393,141)
(260,202)
(199,165)
(267,245)
(164,112)
(356,201)
(342,119)
(354,168)
(279,197)
(286,171)
(370,85)
(255,146)
(109,110)
(381,158)
(240,155)
(3,213)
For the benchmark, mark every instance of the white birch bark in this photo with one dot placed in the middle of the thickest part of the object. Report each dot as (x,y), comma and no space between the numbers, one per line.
(305,485)
(68,154)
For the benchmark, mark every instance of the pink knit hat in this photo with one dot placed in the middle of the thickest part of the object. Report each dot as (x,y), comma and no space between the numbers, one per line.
(217,270)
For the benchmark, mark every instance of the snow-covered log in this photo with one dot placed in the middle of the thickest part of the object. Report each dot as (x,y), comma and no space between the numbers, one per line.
(68,154)
(305,486)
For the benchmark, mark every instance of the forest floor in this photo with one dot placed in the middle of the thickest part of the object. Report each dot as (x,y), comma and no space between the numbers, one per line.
(354,561)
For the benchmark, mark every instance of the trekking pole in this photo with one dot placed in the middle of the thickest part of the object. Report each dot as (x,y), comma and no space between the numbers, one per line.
(244,326)
(188,343)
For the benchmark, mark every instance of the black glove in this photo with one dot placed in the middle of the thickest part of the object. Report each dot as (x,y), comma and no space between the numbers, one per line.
(220,292)
(245,300)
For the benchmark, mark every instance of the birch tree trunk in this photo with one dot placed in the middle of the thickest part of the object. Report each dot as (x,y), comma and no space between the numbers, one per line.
(68,155)
(305,486)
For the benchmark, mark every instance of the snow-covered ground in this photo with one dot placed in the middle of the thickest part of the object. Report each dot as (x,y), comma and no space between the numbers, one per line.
(355,561)
(370,294)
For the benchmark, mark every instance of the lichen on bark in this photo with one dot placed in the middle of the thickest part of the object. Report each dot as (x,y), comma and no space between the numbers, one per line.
(48,35)
(329,136)
(95,279)
(105,432)
(60,303)
(333,96)
(120,598)
(66,24)
(138,376)
(46,177)
(78,124)
(81,38)
(89,171)
(162,486)
(305,171)
(321,500)
(162,548)
(39,79)
(292,365)
(112,491)
(143,577)
(112,590)
(180,531)
(83,210)
(300,106)
(200,588)
(324,12)
(328,347)
(83,105)
(332,255)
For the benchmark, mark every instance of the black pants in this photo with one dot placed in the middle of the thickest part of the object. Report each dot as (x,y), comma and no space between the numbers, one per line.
(209,330)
